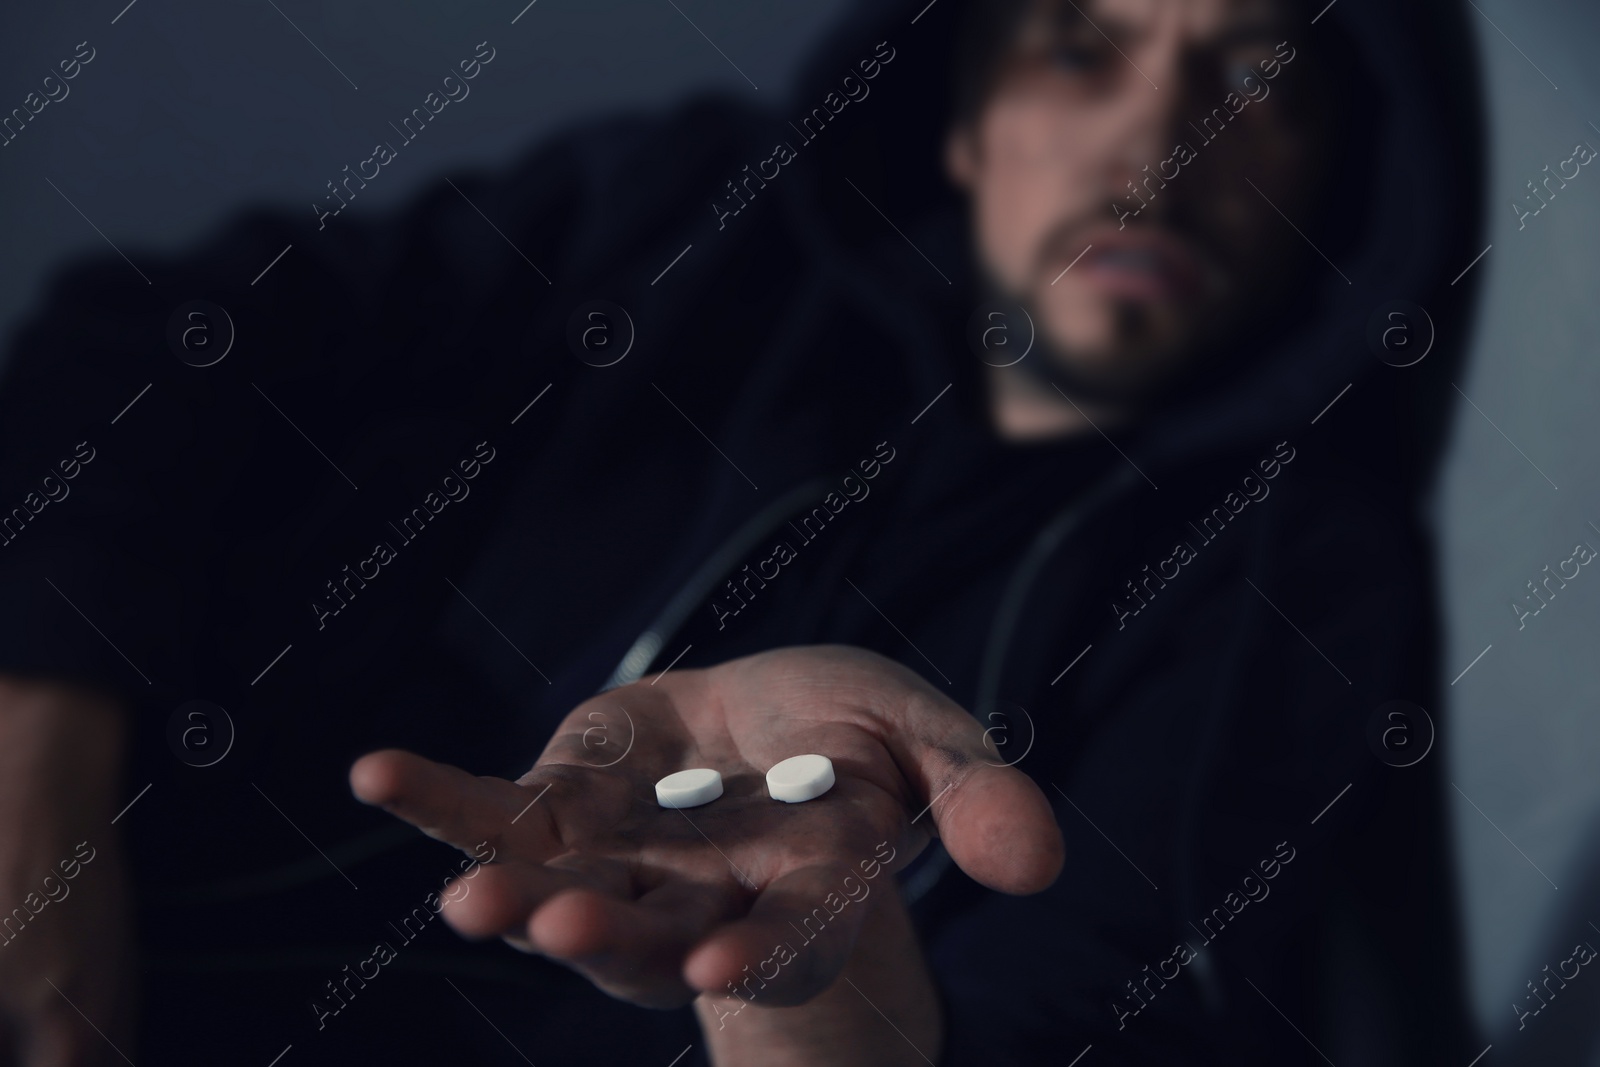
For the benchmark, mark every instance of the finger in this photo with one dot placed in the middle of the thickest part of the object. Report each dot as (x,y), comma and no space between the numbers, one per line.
(793,944)
(499,899)
(1000,829)
(450,805)
(634,950)
(994,820)
(58,1037)
(610,877)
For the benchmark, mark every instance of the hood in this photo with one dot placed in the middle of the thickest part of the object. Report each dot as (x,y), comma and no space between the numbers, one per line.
(1406,200)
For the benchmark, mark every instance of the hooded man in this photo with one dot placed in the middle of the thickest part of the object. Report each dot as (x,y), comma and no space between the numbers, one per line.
(1030,456)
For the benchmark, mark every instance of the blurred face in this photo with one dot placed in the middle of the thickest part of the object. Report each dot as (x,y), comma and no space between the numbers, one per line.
(1137,153)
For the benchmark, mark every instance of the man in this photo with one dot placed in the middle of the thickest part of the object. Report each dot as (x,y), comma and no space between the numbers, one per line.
(821,502)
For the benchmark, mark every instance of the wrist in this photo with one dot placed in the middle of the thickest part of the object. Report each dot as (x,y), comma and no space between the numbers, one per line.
(882,1010)
(60,756)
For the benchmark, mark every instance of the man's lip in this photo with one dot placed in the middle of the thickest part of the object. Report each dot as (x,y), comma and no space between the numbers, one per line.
(1142,263)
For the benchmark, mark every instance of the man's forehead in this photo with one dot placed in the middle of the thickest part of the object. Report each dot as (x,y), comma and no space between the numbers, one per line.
(1197,19)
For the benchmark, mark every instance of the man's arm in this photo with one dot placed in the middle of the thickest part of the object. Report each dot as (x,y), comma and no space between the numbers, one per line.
(63,904)
(793,908)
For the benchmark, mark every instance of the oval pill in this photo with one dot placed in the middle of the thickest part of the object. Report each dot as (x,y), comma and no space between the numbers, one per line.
(689,789)
(800,778)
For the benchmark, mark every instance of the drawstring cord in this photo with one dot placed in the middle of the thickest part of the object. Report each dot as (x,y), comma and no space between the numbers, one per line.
(636,661)
(1002,627)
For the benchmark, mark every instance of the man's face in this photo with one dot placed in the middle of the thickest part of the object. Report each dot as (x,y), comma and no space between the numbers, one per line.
(1194,102)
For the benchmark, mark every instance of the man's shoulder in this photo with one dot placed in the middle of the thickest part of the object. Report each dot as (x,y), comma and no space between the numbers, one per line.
(586,182)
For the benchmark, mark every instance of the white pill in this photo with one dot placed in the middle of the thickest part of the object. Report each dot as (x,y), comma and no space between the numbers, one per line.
(689,789)
(800,778)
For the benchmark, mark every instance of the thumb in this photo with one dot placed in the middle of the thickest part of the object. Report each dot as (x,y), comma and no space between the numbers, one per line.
(994,820)
(998,827)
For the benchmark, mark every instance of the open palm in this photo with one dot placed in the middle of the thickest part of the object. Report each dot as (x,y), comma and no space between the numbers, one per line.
(656,905)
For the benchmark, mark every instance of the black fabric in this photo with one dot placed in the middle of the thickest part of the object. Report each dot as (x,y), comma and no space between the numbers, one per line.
(916,564)
(1190,742)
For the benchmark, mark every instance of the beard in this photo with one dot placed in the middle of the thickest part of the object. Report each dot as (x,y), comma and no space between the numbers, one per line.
(1140,374)
(1146,363)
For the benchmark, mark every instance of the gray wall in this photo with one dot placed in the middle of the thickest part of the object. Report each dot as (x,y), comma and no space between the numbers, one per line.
(190,109)
(1527,744)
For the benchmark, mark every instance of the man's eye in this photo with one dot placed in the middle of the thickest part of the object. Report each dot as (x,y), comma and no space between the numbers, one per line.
(1076,58)
(1236,64)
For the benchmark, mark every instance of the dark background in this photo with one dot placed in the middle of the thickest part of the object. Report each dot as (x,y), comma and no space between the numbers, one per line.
(191,110)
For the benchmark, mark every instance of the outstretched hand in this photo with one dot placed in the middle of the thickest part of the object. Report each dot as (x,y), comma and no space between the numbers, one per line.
(657,905)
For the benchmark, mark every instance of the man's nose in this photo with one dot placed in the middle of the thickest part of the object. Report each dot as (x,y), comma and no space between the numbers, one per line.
(1148,118)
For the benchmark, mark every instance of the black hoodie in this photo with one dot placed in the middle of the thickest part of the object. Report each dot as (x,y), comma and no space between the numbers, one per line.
(402,511)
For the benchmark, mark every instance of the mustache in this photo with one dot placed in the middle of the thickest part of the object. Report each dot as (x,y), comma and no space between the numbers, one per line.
(1066,238)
